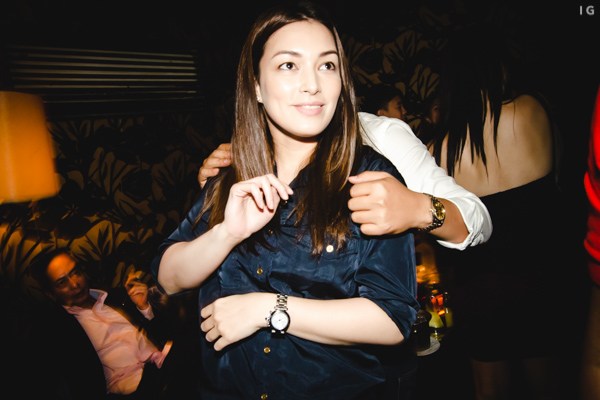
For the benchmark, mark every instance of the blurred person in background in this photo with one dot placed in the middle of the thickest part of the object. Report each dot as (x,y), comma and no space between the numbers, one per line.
(498,141)
(431,119)
(115,344)
(384,100)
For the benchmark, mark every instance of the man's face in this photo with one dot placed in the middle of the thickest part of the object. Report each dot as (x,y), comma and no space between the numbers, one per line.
(69,284)
(395,109)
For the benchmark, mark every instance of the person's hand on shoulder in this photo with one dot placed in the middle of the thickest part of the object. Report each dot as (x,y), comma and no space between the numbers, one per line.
(219,158)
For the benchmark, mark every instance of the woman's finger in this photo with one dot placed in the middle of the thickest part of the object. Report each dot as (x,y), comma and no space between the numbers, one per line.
(284,190)
(212,335)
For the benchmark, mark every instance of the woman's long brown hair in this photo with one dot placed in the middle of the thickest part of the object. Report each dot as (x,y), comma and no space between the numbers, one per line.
(325,202)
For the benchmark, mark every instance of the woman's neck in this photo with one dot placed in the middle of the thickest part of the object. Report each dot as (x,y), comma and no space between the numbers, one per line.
(291,158)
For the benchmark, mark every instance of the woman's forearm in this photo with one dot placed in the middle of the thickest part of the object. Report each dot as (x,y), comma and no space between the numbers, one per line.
(341,322)
(185,265)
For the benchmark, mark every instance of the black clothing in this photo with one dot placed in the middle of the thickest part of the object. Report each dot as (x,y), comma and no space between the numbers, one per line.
(289,367)
(505,292)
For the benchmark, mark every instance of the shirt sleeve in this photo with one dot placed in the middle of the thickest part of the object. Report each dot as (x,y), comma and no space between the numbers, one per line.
(387,277)
(386,272)
(187,231)
(394,139)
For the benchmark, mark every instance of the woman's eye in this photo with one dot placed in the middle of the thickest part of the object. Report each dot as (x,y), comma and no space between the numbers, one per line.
(287,65)
(329,66)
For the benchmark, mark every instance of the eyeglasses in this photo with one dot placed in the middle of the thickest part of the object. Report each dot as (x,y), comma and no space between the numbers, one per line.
(62,283)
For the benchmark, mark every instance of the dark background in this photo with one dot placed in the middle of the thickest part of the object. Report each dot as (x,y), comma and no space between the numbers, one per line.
(559,42)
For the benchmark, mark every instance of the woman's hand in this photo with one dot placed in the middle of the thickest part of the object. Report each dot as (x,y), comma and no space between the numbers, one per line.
(252,204)
(233,318)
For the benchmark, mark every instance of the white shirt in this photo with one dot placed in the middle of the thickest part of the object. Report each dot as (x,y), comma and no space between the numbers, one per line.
(395,139)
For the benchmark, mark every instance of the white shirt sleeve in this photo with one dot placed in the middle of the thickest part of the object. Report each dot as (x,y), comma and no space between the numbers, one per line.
(395,139)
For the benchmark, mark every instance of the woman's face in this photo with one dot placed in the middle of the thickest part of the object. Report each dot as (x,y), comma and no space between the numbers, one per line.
(300,81)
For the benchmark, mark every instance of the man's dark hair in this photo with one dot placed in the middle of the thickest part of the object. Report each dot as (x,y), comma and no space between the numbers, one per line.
(378,97)
(39,267)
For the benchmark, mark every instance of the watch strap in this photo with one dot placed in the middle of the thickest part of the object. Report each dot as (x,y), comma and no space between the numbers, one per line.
(281,303)
(280,306)
(436,206)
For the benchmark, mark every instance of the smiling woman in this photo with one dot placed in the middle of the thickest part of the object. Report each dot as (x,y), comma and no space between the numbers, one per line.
(303,85)
(295,302)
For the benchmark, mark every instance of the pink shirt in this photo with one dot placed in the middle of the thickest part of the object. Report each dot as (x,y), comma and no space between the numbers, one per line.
(122,348)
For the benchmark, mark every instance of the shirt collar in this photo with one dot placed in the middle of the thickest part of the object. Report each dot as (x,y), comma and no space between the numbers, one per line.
(99,295)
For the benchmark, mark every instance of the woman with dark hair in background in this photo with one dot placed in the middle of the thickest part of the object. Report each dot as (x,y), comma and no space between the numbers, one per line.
(498,141)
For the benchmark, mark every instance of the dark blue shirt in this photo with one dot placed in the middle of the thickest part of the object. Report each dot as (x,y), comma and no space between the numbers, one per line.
(286,367)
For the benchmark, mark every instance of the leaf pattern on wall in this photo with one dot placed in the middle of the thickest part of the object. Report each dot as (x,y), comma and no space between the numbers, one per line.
(127,181)
(125,184)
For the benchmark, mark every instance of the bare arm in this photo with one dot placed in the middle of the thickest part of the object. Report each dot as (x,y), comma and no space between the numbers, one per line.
(337,322)
(179,269)
(250,206)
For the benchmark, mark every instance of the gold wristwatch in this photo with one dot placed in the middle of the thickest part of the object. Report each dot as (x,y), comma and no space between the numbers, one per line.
(438,214)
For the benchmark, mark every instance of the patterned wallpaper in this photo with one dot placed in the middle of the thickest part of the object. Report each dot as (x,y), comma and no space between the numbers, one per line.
(127,181)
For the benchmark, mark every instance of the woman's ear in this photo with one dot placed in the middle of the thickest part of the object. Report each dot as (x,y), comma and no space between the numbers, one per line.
(258,96)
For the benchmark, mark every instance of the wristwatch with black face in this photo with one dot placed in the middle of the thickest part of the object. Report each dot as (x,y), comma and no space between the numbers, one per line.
(438,214)
(279,319)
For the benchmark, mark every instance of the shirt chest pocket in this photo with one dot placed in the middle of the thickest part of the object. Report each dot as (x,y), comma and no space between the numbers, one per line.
(331,273)
(292,269)
(239,274)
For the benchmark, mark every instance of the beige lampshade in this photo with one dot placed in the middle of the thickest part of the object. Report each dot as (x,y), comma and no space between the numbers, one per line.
(27,170)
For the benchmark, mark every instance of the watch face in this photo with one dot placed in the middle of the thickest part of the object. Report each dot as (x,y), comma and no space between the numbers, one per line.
(440,214)
(280,320)
(440,211)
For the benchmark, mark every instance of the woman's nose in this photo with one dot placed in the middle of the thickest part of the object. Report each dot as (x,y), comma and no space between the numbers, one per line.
(310,83)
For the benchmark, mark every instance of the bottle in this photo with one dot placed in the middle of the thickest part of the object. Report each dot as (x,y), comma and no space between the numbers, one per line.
(420,335)
(448,315)
(435,309)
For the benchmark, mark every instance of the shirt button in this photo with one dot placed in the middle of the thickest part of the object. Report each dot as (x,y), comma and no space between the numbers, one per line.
(259,270)
(267,350)
(264,396)
(270,231)
(329,248)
